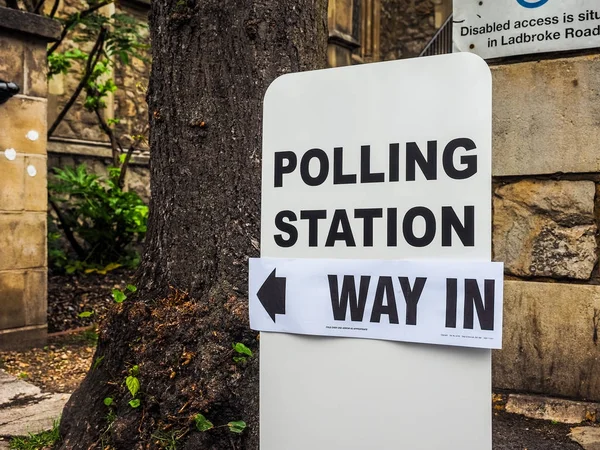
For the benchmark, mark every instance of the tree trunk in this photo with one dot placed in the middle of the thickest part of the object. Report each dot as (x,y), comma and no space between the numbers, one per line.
(212,63)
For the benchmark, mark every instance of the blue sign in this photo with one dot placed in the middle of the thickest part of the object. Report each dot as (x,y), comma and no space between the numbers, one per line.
(532,4)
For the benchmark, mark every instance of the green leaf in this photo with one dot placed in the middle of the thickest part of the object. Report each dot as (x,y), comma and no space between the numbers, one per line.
(135,403)
(85,314)
(134,371)
(108,401)
(133,384)
(118,295)
(239,359)
(237,426)
(131,288)
(98,362)
(242,349)
(202,423)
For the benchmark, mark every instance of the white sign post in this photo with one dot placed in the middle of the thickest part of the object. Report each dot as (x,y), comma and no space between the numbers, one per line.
(497,28)
(387,161)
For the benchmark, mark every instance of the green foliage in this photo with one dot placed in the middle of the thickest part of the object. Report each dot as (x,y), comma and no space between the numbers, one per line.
(119,296)
(242,351)
(108,401)
(85,314)
(40,441)
(237,426)
(57,257)
(106,220)
(62,62)
(99,86)
(97,362)
(133,384)
(202,423)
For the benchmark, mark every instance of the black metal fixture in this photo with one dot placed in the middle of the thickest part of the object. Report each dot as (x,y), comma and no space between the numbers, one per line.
(7,90)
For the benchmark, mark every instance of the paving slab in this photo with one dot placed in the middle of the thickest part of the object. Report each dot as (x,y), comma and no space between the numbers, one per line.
(587,437)
(552,409)
(24,409)
(12,389)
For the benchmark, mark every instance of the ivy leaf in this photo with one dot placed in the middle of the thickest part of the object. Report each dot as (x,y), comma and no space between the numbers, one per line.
(118,295)
(108,401)
(242,349)
(237,426)
(239,359)
(85,314)
(202,423)
(133,384)
(131,288)
(135,403)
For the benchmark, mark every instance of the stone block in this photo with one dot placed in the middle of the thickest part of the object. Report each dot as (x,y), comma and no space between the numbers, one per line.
(12,307)
(545,228)
(22,241)
(552,409)
(545,116)
(587,437)
(550,340)
(23,338)
(36,193)
(11,63)
(18,117)
(35,297)
(12,182)
(36,69)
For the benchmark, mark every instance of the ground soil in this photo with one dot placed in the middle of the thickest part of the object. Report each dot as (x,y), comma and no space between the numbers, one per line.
(515,432)
(58,367)
(70,295)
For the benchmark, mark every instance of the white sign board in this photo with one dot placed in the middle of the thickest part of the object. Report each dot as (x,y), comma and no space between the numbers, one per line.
(379,161)
(430,302)
(498,28)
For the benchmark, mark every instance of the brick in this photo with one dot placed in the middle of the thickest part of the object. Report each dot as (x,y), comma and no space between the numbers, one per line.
(36,193)
(12,306)
(35,297)
(18,116)
(12,183)
(11,63)
(22,241)
(36,68)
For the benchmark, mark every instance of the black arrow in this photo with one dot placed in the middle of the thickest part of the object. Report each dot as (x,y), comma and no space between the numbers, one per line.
(272,295)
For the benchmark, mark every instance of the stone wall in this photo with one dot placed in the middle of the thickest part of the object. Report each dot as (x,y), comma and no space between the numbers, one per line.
(23,196)
(546,165)
(406,27)
(128,104)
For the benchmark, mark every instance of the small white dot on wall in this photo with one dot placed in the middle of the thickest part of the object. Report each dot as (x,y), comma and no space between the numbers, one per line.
(32,135)
(32,171)
(10,154)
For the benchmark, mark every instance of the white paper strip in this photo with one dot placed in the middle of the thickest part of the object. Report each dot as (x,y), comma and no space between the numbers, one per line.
(434,302)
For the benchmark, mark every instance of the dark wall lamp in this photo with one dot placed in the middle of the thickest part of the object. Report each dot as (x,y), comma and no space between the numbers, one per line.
(7,90)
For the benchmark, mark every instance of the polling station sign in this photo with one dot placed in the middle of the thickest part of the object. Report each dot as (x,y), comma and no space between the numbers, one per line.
(396,175)
(378,162)
(499,28)
(458,303)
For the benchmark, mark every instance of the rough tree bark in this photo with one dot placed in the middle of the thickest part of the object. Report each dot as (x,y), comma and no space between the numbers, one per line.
(212,63)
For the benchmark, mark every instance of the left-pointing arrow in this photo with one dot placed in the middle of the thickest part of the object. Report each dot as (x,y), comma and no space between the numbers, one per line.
(272,295)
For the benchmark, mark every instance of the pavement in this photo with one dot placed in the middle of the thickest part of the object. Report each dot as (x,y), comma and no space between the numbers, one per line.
(25,409)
